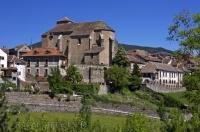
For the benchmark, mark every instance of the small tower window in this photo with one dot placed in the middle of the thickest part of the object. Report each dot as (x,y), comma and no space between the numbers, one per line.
(79,41)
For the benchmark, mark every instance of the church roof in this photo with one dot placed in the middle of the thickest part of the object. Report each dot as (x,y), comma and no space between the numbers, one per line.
(79,28)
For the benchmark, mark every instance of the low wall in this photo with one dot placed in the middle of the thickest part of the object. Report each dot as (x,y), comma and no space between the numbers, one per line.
(43,103)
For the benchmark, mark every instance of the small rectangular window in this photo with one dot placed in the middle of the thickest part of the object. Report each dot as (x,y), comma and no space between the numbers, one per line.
(29,63)
(37,72)
(37,62)
(29,71)
(46,72)
(46,62)
(79,41)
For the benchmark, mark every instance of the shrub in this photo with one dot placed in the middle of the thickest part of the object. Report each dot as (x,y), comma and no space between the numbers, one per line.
(140,123)
(117,78)
(86,89)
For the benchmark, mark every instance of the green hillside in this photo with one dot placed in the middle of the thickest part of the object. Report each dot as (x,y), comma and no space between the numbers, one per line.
(149,49)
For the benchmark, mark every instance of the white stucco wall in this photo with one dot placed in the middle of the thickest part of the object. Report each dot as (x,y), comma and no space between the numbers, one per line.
(3,59)
(21,71)
(169,76)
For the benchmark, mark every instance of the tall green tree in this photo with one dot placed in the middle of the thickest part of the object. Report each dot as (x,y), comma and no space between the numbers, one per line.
(135,78)
(4,127)
(192,80)
(136,70)
(120,58)
(55,80)
(73,75)
(185,29)
(117,77)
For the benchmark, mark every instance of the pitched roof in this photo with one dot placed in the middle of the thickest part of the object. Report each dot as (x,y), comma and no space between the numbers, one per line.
(135,59)
(44,51)
(14,59)
(5,50)
(79,27)
(152,67)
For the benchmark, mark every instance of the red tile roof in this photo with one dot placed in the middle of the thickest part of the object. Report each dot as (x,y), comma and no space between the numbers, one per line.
(44,51)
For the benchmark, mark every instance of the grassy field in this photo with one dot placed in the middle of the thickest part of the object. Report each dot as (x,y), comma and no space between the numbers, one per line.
(105,120)
(137,99)
(28,121)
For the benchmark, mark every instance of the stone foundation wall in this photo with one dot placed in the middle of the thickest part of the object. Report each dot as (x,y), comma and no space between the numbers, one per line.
(43,103)
(36,103)
(91,73)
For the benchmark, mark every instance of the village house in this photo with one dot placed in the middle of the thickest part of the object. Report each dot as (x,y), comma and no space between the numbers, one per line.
(160,73)
(12,68)
(18,66)
(141,57)
(3,59)
(19,50)
(40,61)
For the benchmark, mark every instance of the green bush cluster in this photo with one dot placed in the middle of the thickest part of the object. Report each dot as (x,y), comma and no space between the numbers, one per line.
(70,83)
(84,89)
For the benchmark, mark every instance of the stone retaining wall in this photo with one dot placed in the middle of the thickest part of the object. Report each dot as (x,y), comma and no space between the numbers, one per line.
(43,103)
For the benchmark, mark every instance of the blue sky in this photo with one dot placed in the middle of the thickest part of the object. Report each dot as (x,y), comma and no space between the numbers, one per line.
(141,22)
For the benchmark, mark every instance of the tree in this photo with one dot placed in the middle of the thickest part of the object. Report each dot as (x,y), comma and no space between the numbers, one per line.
(140,123)
(85,112)
(120,58)
(135,79)
(55,80)
(4,127)
(136,70)
(73,75)
(186,31)
(175,122)
(192,81)
(117,77)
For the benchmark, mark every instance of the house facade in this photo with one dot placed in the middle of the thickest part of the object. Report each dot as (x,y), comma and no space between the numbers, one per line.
(3,59)
(19,50)
(162,74)
(40,61)
(20,65)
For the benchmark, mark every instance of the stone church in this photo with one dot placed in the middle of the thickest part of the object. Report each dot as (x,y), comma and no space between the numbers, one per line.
(90,43)
(90,46)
